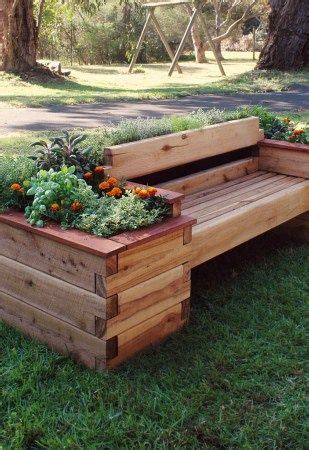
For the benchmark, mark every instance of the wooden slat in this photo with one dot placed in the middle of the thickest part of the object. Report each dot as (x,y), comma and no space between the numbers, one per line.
(148,299)
(56,297)
(61,261)
(225,192)
(292,146)
(284,161)
(234,194)
(152,155)
(229,230)
(245,199)
(212,177)
(58,335)
(148,333)
(152,258)
(141,236)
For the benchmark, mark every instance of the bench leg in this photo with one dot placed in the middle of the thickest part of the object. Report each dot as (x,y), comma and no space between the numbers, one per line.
(297,228)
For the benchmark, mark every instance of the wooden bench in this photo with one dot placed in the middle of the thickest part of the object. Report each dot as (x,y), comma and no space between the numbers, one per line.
(232,202)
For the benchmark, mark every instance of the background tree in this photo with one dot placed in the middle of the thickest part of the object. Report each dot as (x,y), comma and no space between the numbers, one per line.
(287,42)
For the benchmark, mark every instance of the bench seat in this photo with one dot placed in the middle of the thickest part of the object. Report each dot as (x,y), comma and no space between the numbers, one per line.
(235,211)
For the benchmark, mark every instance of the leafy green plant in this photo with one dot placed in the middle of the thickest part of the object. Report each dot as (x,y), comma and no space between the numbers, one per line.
(63,150)
(58,195)
(15,173)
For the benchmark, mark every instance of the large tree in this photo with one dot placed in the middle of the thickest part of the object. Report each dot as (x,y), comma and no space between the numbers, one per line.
(21,29)
(19,36)
(287,43)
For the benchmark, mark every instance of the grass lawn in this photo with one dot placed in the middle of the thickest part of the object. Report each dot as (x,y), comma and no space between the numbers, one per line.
(233,379)
(98,83)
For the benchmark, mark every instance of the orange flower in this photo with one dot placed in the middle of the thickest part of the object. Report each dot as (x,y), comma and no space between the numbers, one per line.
(143,193)
(112,181)
(99,170)
(286,120)
(16,187)
(88,175)
(104,185)
(115,192)
(152,191)
(298,132)
(54,207)
(136,190)
(76,206)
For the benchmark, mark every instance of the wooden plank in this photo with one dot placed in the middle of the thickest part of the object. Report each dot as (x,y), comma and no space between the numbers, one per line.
(60,261)
(208,178)
(72,238)
(293,146)
(56,297)
(152,155)
(220,187)
(151,259)
(242,200)
(148,299)
(234,195)
(141,236)
(218,235)
(58,335)
(148,333)
(284,161)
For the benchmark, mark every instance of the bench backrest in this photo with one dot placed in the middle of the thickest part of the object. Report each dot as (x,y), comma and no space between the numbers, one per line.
(136,159)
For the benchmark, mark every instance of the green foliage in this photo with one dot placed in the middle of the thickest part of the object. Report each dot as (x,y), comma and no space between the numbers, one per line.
(61,151)
(64,197)
(112,216)
(14,170)
(234,378)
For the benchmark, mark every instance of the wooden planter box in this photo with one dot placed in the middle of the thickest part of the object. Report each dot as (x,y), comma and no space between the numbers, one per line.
(96,300)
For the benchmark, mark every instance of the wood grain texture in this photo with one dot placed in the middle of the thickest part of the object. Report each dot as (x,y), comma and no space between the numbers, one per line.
(282,160)
(151,259)
(56,297)
(148,299)
(58,335)
(155,154)
(60,261)
(72,238)
(220,234)
(293,146)
(148,333)
(212,177)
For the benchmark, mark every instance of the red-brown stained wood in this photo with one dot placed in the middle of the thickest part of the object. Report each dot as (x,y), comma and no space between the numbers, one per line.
(284,145)
(133,238)
(73,238)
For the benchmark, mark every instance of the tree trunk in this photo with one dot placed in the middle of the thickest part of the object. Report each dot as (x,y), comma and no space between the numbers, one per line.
(287,43)
(198,44)
(20,36)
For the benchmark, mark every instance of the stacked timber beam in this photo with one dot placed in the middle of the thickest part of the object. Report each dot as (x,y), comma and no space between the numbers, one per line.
(97,300)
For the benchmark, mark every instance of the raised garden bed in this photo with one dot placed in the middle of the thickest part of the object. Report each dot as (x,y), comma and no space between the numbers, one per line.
(102,300)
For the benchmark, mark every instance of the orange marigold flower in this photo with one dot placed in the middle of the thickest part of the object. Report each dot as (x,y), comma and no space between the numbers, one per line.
(76,206)
(298,132)
(99,170)
(286,120)
(54,207)
(104,185)
(136,190)
(112,181)
(152,191)
(15,187)
(88,175)
(143,193)
(115,192)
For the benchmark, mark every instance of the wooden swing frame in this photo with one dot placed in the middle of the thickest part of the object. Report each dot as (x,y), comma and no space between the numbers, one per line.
(195,12)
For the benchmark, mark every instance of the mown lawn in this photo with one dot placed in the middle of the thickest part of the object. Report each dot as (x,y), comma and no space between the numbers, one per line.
(89,84)
(233,379)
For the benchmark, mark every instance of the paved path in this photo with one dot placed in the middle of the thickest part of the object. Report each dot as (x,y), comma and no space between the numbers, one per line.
(100,114)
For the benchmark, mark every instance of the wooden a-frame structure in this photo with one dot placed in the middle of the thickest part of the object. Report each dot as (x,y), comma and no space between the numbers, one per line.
(194,10)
